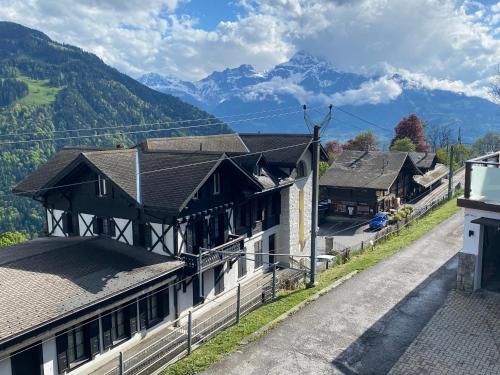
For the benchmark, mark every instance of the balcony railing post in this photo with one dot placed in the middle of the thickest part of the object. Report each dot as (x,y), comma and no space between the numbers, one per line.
(274,281)
(189,332)
(238,303)
(121,369)
(468,171)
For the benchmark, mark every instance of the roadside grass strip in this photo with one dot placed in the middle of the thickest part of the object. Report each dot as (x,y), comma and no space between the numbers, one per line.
(264,318)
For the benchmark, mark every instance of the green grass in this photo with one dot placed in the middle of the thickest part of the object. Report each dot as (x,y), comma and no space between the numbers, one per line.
(40,93)
(230,339)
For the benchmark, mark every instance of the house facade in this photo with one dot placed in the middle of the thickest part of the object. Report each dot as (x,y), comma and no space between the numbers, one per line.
(363,183)
(138,237)
(479,260)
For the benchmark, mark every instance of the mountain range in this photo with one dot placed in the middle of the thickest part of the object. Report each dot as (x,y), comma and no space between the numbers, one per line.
(62,96)
(376,102)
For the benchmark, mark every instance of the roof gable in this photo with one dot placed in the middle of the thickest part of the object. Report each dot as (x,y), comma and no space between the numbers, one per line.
(221,143)
(365,169)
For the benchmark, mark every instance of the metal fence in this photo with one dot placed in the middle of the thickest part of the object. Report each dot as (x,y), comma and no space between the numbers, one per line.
(188,332)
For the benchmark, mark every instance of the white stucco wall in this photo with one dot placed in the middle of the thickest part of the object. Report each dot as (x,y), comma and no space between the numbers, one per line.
(82,219)
(289,219)
(53,218)
(169,238)
(5,368)
(128,234)
(472,244)
(49,351)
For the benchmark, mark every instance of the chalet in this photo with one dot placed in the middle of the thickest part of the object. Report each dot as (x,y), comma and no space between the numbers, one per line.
(137,237)
(362,183)
(479,260)
(425,161)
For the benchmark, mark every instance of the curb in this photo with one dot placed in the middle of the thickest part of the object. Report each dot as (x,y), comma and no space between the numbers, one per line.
(296,308)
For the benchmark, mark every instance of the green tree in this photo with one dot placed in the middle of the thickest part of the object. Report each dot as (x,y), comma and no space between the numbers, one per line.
(403,144)
(366,141)
(489,142)
(323,167)
(12,238)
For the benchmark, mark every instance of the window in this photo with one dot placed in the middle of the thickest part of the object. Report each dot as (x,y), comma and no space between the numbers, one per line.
(76,345)
(67,223)
(301,169)
(259,259)
(118,332)
(217,183)
(153,308)
(104,226)
(142,235)
(219,279)
(102,186)
(242,265)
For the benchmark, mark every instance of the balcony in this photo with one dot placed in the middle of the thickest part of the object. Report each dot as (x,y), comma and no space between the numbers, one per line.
(482,183)
(208,259)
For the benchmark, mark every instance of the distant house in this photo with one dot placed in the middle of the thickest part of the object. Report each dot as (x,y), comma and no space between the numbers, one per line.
(362,183)
(137,237)
(425,161)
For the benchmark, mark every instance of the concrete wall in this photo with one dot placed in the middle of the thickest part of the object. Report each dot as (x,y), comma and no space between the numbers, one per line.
(470,257)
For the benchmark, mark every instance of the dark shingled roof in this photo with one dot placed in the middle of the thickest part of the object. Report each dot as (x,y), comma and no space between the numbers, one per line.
(47,171)
(171,187)
(221,142)
(291,146)
(423,159)
(48,278)
(364,169)
(119,166)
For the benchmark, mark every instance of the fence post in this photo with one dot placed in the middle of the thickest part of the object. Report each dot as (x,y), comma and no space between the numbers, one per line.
(238,303)
(190,329)
(362,246)
(274,281)
(121,370)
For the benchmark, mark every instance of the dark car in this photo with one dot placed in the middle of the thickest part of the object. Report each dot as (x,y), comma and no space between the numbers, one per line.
(379,221)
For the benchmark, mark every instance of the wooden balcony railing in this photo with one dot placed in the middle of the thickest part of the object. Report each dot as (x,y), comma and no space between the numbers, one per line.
(209,258)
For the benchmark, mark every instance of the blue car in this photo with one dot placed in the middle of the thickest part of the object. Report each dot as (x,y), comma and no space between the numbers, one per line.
(379,221)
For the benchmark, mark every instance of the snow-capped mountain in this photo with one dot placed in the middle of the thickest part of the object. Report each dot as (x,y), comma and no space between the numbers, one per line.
(381,99)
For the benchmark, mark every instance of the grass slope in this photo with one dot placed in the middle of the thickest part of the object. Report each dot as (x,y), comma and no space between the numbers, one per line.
(40,93)
(230,340)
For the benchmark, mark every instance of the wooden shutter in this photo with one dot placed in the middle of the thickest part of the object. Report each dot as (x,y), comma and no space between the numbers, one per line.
(95,225)
(132,317)
(148,236)
(143,312)
(189,236)
(106,330)
(67,222)
(112,227)
(205,233)
(93,333)
(212,230)
(226,226)
(135,233)
(164,302)
(62,352)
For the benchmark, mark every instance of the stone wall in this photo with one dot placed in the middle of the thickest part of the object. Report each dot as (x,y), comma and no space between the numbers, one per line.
(466,271)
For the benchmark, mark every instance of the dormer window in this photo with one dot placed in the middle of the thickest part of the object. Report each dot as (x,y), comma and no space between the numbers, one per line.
(301,169)
(102,186)
(216,183)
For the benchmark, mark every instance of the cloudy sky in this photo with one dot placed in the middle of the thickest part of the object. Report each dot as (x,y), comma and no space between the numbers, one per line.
(440,43)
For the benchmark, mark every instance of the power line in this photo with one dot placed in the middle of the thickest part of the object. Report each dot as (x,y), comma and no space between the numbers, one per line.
(362,119)
(175,167)
(148,124)
(146,131)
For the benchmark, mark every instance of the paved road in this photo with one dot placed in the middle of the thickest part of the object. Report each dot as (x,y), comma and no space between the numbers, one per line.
(365,325)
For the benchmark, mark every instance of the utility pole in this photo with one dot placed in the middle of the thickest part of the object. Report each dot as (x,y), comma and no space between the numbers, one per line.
(450,176)
(315,188)
(460,151)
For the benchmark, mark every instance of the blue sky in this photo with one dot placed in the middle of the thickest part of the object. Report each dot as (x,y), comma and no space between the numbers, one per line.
(451,44)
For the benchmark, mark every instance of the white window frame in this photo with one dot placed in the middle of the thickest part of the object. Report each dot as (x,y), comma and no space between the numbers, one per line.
(216,183)
(103,186)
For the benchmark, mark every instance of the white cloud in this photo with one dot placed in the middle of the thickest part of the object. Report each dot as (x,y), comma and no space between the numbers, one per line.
(381,90)
(451,42)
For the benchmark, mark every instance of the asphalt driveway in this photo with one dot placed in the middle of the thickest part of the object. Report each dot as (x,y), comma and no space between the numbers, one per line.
(366,324)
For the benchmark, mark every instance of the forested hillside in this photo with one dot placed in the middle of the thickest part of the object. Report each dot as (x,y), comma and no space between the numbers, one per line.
(49,90)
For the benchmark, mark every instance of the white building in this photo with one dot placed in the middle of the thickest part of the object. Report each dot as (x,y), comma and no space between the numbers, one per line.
(479,260)
(137,237)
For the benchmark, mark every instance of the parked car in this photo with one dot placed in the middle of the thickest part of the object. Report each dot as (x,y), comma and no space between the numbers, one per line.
(379,221)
